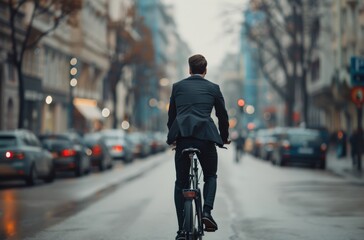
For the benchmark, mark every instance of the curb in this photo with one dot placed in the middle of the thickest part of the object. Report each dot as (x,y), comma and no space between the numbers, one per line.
(347,173)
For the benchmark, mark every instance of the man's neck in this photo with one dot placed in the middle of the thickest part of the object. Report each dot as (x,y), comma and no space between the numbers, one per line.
(201,75)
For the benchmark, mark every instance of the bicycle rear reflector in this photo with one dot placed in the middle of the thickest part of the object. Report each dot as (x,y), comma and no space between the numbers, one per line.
(189,193)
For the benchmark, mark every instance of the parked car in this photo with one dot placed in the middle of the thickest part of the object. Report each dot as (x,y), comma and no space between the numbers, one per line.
(157,142)
(269,142)
(299,145)
(118,144)
(23,157)
(141,145)
(261,138)
(99,153)
(161,138)
(69,152)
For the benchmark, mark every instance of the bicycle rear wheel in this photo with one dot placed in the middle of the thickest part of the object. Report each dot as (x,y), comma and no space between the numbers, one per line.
(189,227)
(198,219)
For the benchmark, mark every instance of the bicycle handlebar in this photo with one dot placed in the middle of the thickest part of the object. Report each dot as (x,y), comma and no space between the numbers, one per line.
(223,147)
(220,146)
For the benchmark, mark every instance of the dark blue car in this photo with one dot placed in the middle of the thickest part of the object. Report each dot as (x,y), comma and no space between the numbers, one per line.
(300,146)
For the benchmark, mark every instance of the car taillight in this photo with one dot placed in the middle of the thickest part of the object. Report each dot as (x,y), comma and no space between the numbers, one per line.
(14,155)
(117,148)
(68,153)
(323,147)
(96,150)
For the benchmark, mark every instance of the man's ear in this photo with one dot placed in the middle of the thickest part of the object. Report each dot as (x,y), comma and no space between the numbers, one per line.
(205,72)
(190,71)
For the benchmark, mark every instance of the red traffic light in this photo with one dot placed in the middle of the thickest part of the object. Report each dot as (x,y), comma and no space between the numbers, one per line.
(241,102)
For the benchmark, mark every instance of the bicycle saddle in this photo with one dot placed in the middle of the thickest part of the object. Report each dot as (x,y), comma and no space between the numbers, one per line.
(191,150)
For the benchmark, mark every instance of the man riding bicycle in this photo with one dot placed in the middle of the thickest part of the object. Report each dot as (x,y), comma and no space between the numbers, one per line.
(190,125)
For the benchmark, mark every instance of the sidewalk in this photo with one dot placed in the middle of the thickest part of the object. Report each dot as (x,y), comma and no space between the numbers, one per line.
(343,167)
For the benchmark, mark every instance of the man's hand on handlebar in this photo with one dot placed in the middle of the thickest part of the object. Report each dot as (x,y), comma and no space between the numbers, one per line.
(228,141)
(173,145)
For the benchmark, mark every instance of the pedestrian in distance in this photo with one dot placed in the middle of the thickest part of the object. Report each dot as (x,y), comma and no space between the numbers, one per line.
(239,141)
(356,144)
(190,125)
(341,144)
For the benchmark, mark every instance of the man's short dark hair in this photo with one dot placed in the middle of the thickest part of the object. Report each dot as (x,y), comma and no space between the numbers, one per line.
(197,64)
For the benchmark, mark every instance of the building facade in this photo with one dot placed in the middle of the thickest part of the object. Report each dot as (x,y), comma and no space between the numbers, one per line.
(329,82)
(51,103)
(263,107)
(166,42)
(86,41)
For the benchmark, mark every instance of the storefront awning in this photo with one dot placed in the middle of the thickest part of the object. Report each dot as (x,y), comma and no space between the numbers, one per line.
(88,108)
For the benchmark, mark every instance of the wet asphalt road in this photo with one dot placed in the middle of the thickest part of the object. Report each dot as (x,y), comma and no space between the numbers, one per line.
(255,200)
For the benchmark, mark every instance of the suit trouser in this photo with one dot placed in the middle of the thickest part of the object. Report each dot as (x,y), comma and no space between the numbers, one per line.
(208,161)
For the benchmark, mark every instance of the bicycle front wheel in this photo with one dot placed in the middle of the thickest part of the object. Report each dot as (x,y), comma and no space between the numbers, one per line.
(189,227)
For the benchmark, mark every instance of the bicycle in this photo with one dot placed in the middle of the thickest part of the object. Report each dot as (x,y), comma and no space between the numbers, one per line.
(193,226)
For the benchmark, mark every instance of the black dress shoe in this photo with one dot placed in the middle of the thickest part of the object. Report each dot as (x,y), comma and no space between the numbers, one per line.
(180,236)
(209,222)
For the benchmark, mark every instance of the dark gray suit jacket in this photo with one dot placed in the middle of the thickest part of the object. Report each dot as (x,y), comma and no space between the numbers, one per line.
(189,114)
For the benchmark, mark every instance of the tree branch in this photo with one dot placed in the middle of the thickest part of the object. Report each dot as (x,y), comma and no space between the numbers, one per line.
(278,45)
(268,77)
(40,36)
(28,31)
(13,12)
(279,6)
(20,3)
(262,45)
(45,8)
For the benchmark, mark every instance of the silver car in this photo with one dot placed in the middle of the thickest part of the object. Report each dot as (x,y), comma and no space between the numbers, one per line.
(118,144)
(23,157)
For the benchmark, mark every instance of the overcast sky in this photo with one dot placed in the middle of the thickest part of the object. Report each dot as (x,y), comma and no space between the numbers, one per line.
(204,25)
(210,27)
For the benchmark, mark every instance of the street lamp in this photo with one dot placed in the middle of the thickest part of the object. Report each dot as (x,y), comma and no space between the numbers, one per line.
(250,109)
(73,82)
(164,82)
(73,73)
(49,99)
(153,102)
(105,112)
(125,125)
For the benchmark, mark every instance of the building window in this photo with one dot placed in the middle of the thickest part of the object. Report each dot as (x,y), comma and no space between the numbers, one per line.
(11,72)
(37,65)
(10,121)
(344,57)
(46,67)
(315,70)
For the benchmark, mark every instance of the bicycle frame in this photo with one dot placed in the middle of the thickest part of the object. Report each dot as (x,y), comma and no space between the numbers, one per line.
(193,212)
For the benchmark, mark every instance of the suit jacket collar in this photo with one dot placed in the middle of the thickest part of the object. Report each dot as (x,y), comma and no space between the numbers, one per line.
(196,77)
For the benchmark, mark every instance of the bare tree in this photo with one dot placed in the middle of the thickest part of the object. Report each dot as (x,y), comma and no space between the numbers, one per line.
(286,37)
(26,36)
(134,47)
